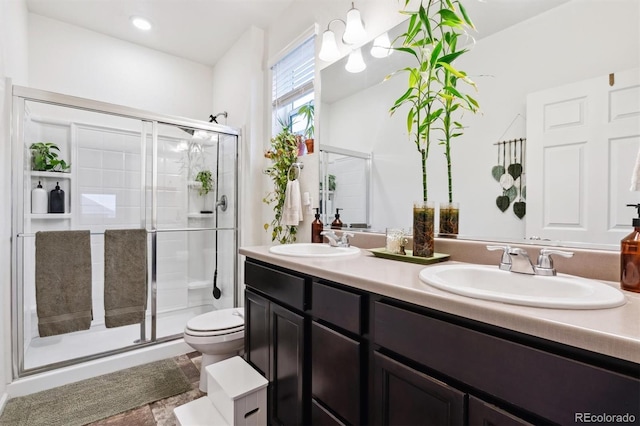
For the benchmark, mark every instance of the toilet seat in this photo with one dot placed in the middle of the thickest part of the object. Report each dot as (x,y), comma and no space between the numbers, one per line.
(216,323)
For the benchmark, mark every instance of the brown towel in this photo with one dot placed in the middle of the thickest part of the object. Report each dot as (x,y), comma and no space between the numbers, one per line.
(63,281)
(125,276)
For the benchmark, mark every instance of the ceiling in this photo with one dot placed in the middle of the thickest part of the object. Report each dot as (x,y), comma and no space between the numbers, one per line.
(203,30)
(198,30)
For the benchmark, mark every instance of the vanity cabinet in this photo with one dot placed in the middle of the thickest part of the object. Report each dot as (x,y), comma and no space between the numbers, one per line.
(305,336)
(551,384)
(337,355)
(275,339)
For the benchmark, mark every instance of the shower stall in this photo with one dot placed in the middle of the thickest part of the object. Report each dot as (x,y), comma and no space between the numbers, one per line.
(123,168)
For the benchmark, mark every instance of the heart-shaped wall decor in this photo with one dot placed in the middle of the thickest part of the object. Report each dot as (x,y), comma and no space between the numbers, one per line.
(520,209)
(503,202)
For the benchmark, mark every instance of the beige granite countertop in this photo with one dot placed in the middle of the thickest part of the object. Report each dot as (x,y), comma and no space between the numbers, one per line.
(614,332)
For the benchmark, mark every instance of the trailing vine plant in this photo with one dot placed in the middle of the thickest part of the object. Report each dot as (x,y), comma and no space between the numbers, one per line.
(283,153)
(432,94)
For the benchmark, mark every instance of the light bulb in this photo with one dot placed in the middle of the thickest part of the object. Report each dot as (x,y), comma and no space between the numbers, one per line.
(355,63)
(329,50)
(141,23)
(354,32)
(381,46)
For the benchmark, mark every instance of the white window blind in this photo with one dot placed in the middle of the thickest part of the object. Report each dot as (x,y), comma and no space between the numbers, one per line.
(293,74)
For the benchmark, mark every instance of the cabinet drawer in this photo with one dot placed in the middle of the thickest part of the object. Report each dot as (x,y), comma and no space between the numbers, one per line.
(321,417)
(335,376)
(338,307)
(482,413)
(284,287)
(543,383)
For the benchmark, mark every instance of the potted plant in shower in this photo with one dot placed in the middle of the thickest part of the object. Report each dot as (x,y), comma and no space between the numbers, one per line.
(283,152)
(205,180)
(44,158)
(431,31)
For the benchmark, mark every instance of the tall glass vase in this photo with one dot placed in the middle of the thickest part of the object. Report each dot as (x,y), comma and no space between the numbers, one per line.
(423,215)
(449,219)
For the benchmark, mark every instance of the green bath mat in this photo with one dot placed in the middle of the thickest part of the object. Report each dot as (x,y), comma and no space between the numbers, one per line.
(97,398)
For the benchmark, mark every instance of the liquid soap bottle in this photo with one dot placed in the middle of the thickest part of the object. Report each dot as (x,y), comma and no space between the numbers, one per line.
(39,200)
(630,256)
(316,228)
(56,200)
(337,223)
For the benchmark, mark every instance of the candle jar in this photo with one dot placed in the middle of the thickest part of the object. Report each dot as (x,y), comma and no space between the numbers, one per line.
(396,241)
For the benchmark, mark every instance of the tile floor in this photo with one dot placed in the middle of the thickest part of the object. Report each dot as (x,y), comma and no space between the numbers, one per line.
(160,413)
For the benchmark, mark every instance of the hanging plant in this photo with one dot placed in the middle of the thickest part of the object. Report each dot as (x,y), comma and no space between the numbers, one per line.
(206,180)
(283,153)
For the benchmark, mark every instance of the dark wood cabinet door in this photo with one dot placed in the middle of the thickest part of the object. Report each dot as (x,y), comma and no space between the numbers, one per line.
(484,414)
(335,376)
(321,417)
(256,333)
(404,396)
(287,365)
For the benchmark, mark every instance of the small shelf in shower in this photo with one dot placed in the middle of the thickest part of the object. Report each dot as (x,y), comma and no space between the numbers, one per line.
(200,215)
(50,216)
(197,285)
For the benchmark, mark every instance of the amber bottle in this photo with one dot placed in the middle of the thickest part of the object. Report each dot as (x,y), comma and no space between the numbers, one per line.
(630,257)
(316,228)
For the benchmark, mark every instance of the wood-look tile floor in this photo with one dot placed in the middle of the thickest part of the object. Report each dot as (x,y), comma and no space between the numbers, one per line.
(160,413)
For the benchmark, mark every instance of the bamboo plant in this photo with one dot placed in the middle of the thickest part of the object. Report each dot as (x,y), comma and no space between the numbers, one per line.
(432,94)
(283,153)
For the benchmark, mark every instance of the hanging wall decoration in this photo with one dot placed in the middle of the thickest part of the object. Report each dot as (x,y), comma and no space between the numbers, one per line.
(510,175)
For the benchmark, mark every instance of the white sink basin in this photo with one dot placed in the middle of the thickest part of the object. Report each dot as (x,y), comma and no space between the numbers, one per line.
(491,283)
(313,250)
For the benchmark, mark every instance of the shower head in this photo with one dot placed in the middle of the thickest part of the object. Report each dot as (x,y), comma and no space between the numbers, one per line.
(214,118)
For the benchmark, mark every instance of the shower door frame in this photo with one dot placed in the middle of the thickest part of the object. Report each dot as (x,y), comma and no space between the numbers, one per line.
(19,95)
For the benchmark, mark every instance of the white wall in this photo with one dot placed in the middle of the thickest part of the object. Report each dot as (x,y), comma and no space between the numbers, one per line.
(13,64)
(578,40)
(238,88)
(71,60)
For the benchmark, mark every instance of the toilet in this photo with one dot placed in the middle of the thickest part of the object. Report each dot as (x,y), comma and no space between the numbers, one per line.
(217,335)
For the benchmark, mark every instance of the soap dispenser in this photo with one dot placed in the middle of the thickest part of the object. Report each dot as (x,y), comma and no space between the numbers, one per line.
(630,256)
(337,223)
(316,228)
(56,200)
(39,199)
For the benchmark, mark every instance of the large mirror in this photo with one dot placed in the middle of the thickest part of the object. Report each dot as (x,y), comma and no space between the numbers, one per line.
(558,43)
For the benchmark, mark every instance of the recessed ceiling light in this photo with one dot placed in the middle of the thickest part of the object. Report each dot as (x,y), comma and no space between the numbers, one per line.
(140,23)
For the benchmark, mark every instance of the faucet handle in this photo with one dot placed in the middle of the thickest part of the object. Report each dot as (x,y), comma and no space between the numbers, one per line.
(331,236)
(505,261)
(344,238)
(546,262)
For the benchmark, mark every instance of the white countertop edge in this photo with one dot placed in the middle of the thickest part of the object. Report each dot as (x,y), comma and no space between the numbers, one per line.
(614,332)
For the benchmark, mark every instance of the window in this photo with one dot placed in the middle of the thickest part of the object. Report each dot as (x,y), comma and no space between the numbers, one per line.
(292,86)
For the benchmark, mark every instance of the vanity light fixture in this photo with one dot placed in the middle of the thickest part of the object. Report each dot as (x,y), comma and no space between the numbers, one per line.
(329,50)
(354,33)
(355,63)
(141,23)
(381,46)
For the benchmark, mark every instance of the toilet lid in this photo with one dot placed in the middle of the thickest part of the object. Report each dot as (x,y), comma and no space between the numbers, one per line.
(224,319)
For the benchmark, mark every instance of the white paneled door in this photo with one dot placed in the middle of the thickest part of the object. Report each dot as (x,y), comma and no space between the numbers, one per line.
(582,142)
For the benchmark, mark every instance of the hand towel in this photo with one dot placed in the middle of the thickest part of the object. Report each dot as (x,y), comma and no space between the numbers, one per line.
(63,281)
(635,176)
(125,276)
(292,211)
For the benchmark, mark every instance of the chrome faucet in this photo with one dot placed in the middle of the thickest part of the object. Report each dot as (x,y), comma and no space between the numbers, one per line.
(515,259)
(335,241)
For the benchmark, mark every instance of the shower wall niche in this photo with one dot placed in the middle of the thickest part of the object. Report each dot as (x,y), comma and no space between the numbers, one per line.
(128,169)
